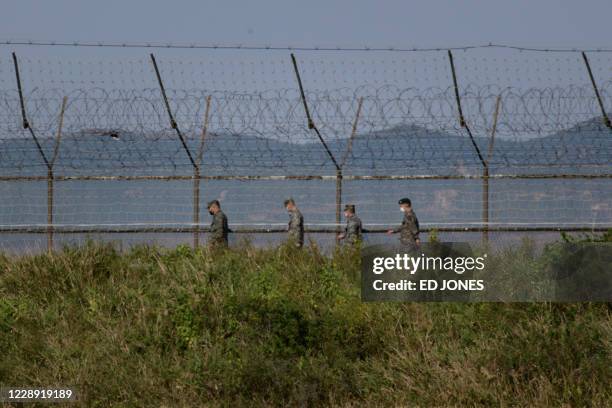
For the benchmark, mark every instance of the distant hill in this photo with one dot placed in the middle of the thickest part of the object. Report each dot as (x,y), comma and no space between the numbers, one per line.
(407,149)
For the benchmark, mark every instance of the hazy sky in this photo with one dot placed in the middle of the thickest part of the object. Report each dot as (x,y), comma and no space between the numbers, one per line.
(314,22)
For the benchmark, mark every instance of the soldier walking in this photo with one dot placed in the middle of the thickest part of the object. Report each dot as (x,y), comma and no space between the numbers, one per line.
(295,228)
(352,231)
(218,228)
(409,229)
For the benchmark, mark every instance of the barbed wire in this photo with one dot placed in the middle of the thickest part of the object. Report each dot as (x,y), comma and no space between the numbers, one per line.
(378,116)
(396,131)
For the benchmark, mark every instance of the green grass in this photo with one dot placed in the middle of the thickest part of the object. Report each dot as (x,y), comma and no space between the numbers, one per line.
(281,327)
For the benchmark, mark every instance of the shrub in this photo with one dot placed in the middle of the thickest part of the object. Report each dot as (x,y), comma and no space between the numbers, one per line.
(277,327)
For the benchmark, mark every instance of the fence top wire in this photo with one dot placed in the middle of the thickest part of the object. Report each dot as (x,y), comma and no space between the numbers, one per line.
(116,123)
(269,47)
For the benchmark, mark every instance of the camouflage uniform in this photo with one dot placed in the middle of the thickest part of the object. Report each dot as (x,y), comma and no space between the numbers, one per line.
(219,230)
(296,227)
(352,232)
(409,230)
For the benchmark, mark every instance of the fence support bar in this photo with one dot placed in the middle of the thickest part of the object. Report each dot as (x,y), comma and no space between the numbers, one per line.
(204,131)
(24,117)
(606,119)
(493,129)
(462,122)
(311,124)
(173,123)
(349,145)
(59,130)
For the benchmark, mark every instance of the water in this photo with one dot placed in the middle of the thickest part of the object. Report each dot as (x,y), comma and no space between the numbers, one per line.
(115,205)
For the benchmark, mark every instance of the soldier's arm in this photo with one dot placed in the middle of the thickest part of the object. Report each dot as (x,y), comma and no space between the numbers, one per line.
(344,232)
(352,228)
(213,226)
(400,227)
(226,224)
(217,225)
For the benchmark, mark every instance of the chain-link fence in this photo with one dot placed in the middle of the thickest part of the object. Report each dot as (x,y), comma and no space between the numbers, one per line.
(500,146)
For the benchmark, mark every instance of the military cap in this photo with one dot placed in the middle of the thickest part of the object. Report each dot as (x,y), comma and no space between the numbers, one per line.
(350,207)
(213,202)
(405,201)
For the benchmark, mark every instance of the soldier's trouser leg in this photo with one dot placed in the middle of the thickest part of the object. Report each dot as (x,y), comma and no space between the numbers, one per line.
(409,247)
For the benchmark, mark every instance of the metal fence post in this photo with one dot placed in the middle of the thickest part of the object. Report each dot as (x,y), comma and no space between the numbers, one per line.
(338,200)
(50,210)
(196,207)
(197,176)
(485,206)
(339,174)
(51,177)
(485,177)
